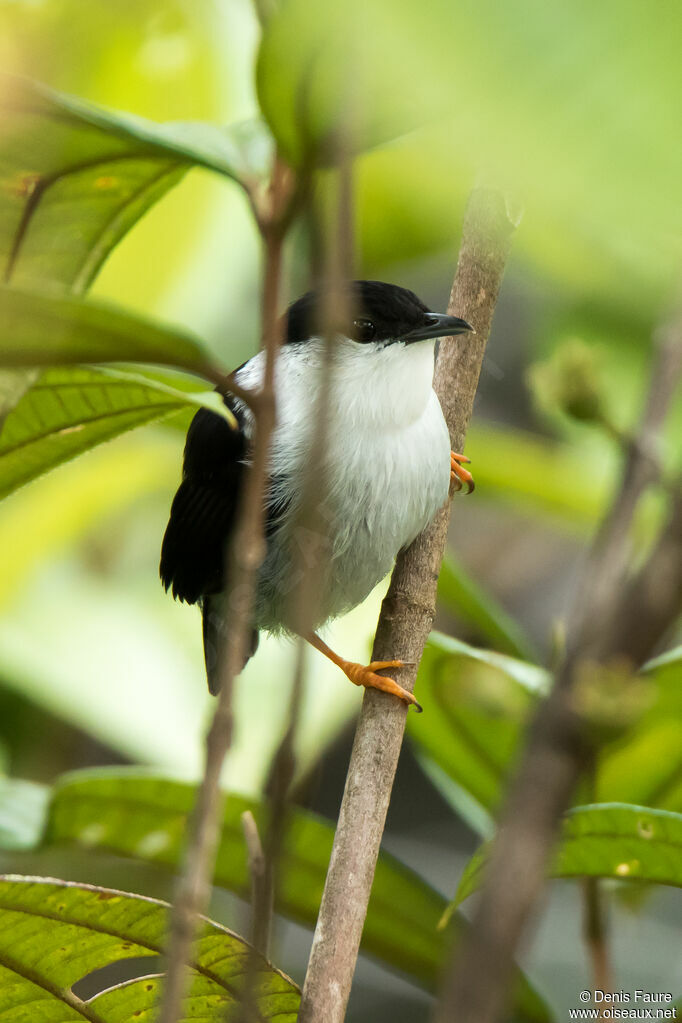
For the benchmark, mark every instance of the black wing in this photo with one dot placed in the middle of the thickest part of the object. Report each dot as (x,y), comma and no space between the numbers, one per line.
(203,510)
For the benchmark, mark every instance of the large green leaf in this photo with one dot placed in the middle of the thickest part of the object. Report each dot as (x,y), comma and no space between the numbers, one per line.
(481,702)
(54,933)
(146,817)
(614,840)
(39,329)
(74,178)
(477,704)
(69,410)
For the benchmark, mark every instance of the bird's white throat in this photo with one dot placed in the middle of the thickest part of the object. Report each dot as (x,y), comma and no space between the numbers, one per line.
(379,386)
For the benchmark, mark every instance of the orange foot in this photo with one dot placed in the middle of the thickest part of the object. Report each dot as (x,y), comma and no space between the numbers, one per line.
(460,475)
(366,674)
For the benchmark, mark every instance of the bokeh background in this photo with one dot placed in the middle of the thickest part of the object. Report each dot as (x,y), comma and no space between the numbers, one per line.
(574,111)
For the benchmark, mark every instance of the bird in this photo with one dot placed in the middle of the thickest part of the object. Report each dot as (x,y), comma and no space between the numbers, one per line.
(387,468)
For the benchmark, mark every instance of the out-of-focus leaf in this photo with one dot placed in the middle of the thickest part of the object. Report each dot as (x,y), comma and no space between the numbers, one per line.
(69,410)
(645,766)
(667,669)
(13,384)
(74,178)
(38,329)
(523,470)
(482,702)
(465,597)
(146,817)
(614,840)
(22,813)
(464,805)
(341,69)
(477,704)
(76,929)
(79,496)
(317,69)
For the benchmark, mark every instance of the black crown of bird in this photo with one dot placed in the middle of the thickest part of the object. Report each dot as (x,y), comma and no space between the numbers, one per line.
(387,466)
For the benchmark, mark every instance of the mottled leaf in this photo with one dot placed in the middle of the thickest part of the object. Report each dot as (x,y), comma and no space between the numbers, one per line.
(614,840)
(146,817)
(54,933)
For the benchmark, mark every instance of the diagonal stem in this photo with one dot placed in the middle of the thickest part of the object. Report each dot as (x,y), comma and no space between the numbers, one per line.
(626,626)
(244,556)
(406,616)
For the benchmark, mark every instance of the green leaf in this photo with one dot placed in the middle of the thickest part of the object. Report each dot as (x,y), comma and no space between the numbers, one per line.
(54,933)
(69,410)
(462,802)
(477,703)
(74,178)
(317,67)
(13,384)
(534,474)
(146,817)
(613,840)
(645,766)
(38,329)
(350,70)
(462,595)
(22,813)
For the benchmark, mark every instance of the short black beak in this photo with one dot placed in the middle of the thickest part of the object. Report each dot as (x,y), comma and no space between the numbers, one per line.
(437,325)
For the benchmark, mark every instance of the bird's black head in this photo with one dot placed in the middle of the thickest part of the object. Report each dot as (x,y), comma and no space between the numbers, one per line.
(375,312)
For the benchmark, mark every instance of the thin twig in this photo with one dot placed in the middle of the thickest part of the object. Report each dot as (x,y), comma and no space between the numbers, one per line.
(629,626)
(329,271)
(406,616)
(595,922)
(595,931)
(261,891)
(612,547)
(243,559)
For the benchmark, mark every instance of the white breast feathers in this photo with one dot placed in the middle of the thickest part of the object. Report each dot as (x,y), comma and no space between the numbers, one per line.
(385,473)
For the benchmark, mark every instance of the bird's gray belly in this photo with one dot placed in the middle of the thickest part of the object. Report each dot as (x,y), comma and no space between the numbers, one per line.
(382,493)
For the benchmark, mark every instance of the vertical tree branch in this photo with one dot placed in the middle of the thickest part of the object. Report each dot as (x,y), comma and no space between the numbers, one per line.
(627,627)
(404,624)
(243,558)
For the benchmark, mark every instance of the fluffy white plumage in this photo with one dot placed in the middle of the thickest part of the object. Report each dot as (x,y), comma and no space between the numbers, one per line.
(386,468)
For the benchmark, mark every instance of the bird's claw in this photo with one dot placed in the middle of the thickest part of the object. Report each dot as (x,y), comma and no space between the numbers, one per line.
(366,675)
(459,475)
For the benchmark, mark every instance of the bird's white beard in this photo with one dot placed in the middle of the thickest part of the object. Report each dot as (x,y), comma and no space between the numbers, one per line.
(386,469)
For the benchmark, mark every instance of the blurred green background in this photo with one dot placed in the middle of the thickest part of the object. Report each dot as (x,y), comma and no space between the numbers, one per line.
(574,110)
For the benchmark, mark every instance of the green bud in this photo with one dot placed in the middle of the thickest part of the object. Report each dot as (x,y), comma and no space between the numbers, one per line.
(570,382)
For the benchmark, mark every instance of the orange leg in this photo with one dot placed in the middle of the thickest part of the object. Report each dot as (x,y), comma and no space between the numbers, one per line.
(458,474)
(365,675)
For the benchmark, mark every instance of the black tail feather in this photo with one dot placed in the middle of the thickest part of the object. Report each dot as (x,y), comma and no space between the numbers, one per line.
(214,633)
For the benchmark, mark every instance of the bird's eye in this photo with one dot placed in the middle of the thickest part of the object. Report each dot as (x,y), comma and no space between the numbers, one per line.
(363,330)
